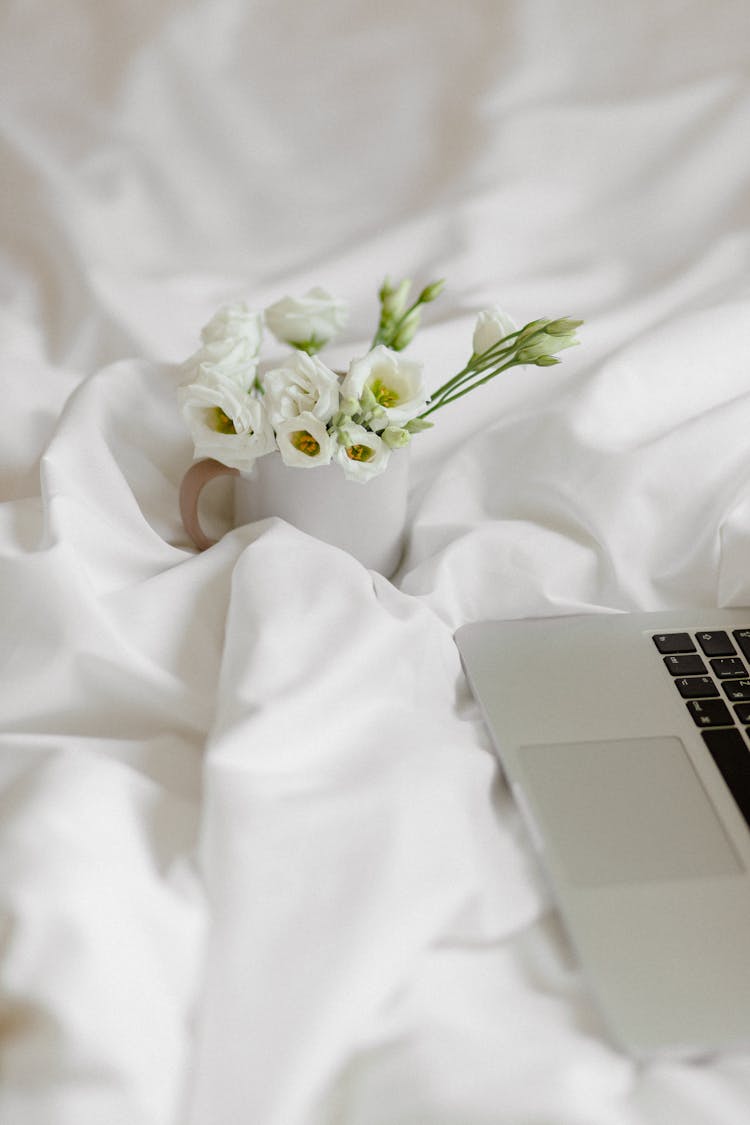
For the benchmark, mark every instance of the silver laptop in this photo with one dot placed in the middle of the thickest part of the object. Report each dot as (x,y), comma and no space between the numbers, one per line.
(624,740)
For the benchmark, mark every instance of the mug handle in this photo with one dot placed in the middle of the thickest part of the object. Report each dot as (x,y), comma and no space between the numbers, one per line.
(193,483)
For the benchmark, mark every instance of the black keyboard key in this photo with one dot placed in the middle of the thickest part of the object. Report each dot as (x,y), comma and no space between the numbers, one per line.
(742,711)
(673,642)
(742,637)
(729,750)
(710,713)
(716,644)
(697,687)
(728,666)
(689,664)
(738,691)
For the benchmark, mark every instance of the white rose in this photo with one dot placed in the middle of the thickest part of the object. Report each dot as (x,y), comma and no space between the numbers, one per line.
(233,359)
(308,322)
(362,454)
(491,326)
(225,422)
(304,442)
(304,385)
(395,382)
(235,322)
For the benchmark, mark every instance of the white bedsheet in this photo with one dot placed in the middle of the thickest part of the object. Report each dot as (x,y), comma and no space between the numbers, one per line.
(257,863)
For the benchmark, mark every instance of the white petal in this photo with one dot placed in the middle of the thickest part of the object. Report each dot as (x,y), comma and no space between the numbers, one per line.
(317,315)
(491,326)
(302,384)
(292,454)
(363,470)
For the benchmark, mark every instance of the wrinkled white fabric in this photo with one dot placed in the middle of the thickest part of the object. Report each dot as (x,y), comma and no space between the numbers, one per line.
(257,862)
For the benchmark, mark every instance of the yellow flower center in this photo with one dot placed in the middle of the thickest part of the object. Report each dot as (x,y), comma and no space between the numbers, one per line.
(384,396)
(223,424)
(360,452)
(305,443)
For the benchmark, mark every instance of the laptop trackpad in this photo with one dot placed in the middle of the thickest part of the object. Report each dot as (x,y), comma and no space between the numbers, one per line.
(624,811)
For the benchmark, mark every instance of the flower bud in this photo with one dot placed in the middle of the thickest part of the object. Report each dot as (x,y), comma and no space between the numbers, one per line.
(492,326)
(367,401)
(530,328)
(386,289)
(564,326)
(431,291)
(406,332)
(395,437)
(417,425)
(394,300)
(529,355)
(349,406)
(544,345)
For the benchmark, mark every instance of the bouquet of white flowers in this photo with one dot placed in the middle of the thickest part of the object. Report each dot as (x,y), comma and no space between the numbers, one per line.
(237,410)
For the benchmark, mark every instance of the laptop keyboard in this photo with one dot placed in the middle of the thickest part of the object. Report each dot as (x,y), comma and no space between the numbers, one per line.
(710,672)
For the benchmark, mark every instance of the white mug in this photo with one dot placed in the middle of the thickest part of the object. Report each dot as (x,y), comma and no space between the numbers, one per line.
(366,519)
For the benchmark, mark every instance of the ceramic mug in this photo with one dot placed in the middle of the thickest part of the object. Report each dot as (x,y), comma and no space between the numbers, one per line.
(366,519)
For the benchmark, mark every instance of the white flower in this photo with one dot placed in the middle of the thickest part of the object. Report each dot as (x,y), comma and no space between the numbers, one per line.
(361,454)
(303,385)
(304,442)
(225,422)
(231,342)
(308,322)
(232,359)
(235,322)
(491,326)
(395,382)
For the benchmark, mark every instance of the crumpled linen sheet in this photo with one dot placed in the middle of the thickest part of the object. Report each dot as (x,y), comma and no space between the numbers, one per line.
(257,861)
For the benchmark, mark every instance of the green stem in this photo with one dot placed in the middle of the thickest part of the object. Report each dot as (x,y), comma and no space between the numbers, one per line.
(465,390)
(476,365)
(380,338)
(457,378)
(482,361)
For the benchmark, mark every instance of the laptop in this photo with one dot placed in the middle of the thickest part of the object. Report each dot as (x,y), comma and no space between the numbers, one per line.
(624,739)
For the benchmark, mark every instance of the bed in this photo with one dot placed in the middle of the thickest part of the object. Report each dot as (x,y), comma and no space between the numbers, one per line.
(257,860)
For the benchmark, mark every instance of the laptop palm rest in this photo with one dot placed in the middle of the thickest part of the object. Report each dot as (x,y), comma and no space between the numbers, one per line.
(629,810)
